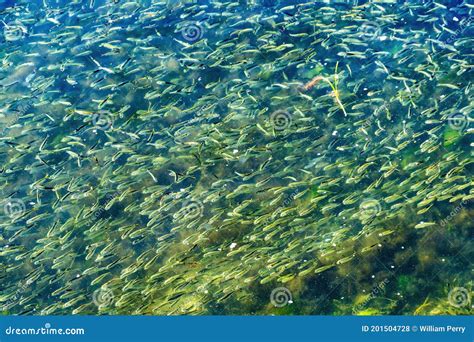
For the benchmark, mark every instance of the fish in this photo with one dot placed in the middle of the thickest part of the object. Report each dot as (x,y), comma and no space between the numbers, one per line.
(166,158)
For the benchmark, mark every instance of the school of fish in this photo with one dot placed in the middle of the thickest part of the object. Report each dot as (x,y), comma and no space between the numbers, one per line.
(183,157)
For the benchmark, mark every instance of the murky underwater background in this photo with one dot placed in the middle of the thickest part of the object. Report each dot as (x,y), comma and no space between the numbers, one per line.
(236,157)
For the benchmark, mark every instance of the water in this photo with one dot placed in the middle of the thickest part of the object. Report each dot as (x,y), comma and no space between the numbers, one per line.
(251,157)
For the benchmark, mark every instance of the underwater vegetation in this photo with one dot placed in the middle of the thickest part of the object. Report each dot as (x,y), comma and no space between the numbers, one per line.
(236,157)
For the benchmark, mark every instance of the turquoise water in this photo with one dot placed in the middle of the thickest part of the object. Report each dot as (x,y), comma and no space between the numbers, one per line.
(239,157)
